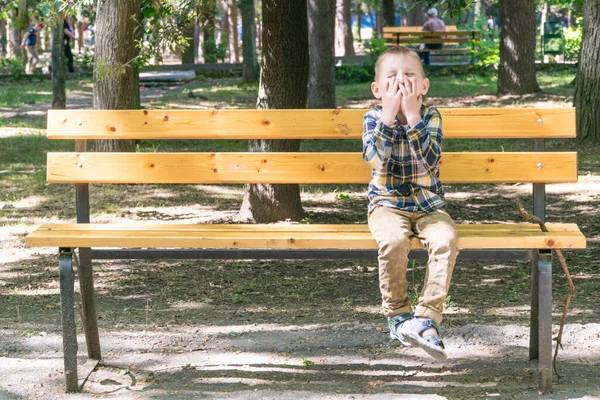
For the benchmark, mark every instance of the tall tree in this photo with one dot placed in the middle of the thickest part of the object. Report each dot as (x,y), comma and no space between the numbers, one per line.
(321,31)
(251,69)
(587,84)
(344,43)
(414,13)
(14,34)
(3,40)
(59,95)
(208,17)
(188,54)
(283,84)
(389,12)
(232,20)
(516,73)
(116,82)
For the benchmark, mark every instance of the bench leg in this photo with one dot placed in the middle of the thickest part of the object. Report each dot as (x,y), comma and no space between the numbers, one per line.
(541,318)
(65,271)
(88,303)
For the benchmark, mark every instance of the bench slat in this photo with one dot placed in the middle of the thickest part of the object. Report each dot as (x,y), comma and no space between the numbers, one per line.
(297,124)
(287,227)
(386,29)
(196,236)
(301,168)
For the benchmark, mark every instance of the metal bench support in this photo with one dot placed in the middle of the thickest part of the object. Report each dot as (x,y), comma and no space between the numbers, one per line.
(67,304)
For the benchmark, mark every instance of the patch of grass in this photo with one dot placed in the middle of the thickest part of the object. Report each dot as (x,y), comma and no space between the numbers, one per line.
(24,121)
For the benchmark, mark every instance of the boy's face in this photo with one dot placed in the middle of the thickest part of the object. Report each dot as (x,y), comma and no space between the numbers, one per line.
(404,67)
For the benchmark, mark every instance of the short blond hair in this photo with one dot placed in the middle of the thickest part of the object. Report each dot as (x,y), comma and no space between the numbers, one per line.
(398,50)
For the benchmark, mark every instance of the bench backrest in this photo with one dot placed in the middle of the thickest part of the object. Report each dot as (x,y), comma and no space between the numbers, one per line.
(395,36)
(302,167)
(393,29)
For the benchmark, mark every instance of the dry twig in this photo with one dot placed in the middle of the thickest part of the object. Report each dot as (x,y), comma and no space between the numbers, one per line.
(535,220)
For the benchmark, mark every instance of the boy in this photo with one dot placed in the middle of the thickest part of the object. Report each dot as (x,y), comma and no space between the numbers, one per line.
(402,141)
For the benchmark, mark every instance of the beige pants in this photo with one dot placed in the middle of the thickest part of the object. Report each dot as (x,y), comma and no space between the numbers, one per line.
(392,229)
(32,59)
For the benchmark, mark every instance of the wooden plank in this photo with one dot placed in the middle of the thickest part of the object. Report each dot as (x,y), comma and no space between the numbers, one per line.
(421,34)
(286,227)
(297,124)
(449,28)
(301,168)
(172,236)
(416,40)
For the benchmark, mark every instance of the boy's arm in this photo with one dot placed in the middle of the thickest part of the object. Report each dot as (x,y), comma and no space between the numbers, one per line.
(426,139)
(378,139)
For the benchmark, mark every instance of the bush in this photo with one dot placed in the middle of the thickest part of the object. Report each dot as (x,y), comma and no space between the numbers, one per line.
(355,73)
(15,66)
(572,42)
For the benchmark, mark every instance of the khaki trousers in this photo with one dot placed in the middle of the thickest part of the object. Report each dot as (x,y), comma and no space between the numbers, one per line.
(392,230)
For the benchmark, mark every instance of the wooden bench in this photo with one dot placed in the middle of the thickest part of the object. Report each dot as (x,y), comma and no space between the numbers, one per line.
(292,241)
(451,39)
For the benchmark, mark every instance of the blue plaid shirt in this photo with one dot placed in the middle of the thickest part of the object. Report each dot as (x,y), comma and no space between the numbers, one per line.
(404,162)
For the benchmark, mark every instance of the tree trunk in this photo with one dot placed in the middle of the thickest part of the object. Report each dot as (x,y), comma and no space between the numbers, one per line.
(359,17)
(389,12)
(251,68)
(415,17)
(283,84)
(225,28)
(116,84)
(516,73)
(59,96)
(234,43)
(587,84)
(209,43)
(3,40)
(344,43)
(321,31)
(14,35)
(188,54)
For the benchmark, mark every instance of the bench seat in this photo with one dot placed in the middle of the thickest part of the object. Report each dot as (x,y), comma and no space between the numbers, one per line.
(289,236)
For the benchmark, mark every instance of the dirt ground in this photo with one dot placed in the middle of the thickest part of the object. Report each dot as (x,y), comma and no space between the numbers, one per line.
(290,329)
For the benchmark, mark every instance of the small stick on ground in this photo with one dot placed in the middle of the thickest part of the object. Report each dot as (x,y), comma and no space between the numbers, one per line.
(535,220)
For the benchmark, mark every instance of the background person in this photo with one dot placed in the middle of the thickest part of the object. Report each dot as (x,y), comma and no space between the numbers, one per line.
(433,24)
(69,32)
(30,44)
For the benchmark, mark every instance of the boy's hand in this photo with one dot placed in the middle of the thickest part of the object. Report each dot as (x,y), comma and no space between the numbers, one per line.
(391,101)
(411,101)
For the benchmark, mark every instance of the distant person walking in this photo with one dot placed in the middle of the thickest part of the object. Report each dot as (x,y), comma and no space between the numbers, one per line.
(69,32)
(30,44)
(433,24)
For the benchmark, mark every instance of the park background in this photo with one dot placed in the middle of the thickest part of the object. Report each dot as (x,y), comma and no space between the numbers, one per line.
(270,327)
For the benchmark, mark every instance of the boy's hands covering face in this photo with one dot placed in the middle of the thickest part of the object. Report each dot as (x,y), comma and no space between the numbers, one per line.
(411,100)
(391,100)
(401,97)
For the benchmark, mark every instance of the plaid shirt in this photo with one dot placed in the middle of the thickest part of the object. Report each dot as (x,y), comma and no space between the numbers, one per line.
(404,162)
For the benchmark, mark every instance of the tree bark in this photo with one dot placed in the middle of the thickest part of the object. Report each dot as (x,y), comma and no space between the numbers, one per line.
(234,43)
(415,17)
(14,35)
(587,84)
(3,40)
(116,84)
(344,43)
(251,68)
(516,73)
(359,17)
(389,13)
(208,31)
(59,96)
(188,54)
(321,32)
(283,84)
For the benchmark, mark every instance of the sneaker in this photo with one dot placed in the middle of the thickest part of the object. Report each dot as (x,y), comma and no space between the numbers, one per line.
(395,324)
(412,332)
